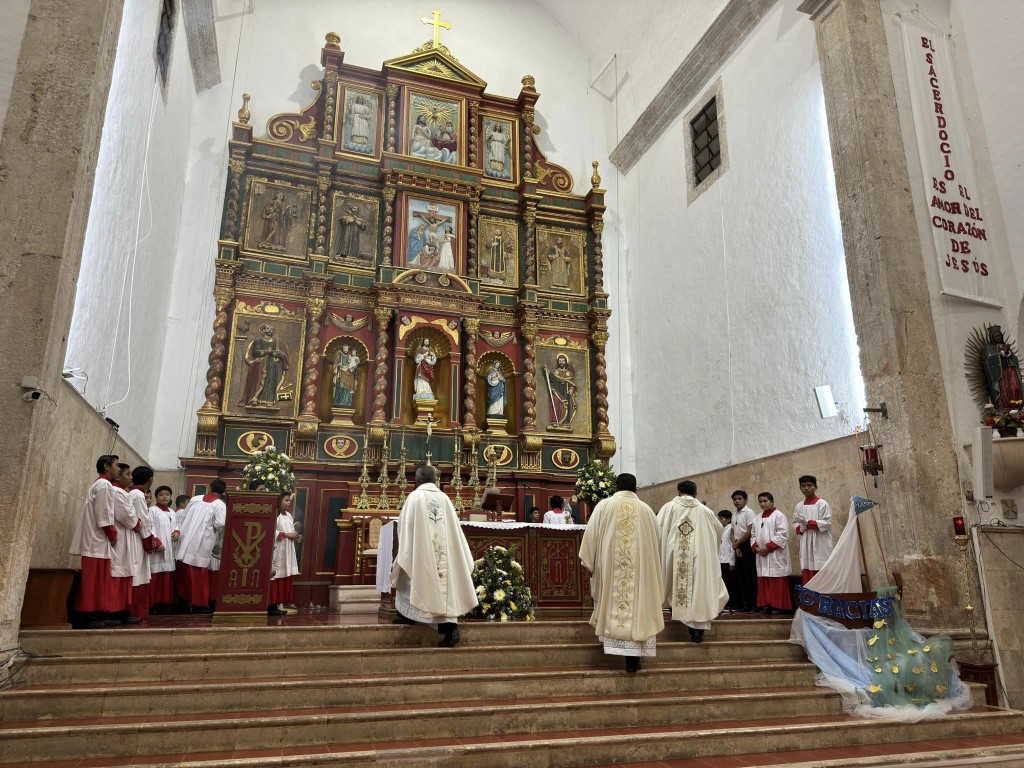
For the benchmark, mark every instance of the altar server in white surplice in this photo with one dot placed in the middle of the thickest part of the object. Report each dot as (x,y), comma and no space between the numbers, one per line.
(128,547)
(161,563)
(812,521)
(620,549)
(690,536)
(202,529)
(285,563)
(142,480)
(433,572)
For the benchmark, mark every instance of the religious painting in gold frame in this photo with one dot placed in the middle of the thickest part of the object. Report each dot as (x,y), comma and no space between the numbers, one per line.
(561,260)
(264,361)
(431,233)
(499,148)
(435,127)
(277,221)
(354,233)
(498,252)
(563,386)
(360,121)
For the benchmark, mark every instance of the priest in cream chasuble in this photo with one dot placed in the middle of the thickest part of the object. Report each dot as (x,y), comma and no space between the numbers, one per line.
(690,536)
(433,571)
(620,549)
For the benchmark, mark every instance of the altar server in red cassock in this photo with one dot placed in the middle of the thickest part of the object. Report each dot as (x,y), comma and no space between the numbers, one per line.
(161,562)
(202,526)
(94,541)
(285,564)
(812,520)
(769,539)
(128,548)
(142,479)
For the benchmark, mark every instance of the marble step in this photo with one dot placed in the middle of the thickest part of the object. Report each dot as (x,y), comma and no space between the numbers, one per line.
(248,665)
(453,720)
(573,749)
(125,699)
(110,641)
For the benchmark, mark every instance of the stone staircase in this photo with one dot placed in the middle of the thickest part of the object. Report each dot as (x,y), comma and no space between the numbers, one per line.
(539,694)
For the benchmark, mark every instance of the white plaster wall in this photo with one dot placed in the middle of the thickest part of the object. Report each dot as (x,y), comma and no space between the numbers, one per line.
(650,38)
(273,53)
(118,328)
(987,62)
(739,302)
(13,18)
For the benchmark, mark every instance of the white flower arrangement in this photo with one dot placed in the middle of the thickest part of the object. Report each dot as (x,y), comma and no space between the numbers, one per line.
(594,481)
(501,587)
(271,468)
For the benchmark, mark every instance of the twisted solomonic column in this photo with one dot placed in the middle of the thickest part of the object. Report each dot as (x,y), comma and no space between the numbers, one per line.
(529,332)
(311,374)
(222,296)
(472,326)
(380,374)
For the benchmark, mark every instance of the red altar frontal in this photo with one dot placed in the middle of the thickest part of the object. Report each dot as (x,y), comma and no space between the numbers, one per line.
(550,559)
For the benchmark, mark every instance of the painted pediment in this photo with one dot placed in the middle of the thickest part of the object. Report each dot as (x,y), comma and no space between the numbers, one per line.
(435,62)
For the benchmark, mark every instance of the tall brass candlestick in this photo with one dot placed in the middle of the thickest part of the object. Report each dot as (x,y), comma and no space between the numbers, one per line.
(460,505)
(492,464)
(962,543)
(474,473)
(403,481)
(383,502)
(363,502)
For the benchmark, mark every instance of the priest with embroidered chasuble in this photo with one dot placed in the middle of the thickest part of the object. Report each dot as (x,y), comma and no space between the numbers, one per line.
(433,572)
(690,536)
(620,549)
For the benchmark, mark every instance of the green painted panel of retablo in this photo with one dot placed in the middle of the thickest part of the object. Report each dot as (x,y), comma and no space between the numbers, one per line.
(229,444)
(275,269)
(296,271)
(362,282)
(580,307)
(342,278)
(252,265)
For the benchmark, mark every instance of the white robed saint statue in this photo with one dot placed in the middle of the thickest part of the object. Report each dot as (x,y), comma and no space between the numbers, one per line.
(690,535)
(620,549)
(433,572)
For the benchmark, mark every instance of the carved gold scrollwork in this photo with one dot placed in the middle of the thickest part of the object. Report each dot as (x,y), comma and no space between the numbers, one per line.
(284,129)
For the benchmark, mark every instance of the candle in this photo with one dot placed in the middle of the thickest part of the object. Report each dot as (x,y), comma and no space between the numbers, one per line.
(959,529)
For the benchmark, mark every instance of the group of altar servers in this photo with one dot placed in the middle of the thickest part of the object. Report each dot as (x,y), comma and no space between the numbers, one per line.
(639,563)
(138,557)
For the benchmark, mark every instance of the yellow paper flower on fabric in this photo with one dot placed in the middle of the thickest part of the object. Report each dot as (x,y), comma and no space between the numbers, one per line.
(873,640)
(878,670)
(940,689)
(911,651)
(926,648)
(909,688)
(880,623)
(873,659)
(934,667)
(874,688)
(895,669)
(892,641)
(890,656)
(917,670)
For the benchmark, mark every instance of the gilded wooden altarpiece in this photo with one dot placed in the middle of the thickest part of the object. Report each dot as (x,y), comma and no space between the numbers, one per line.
(403,205)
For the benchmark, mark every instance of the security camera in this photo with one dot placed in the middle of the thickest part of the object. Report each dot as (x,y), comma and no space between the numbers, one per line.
(32,394)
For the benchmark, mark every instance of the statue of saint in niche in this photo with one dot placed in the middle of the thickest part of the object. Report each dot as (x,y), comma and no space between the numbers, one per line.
(497,142)
(495,390)
(351,225)
(345,367)
(556,264)
(496,252)
(267,362)
(278,218)
(561,393)
(1002,371)
(423,380)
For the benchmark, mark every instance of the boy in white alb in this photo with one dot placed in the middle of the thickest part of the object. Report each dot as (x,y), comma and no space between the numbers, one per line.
(142,479)
(812,520)
(95,539)
(771,535)
(556,515)
(161,563)
(727,561)
(128,547)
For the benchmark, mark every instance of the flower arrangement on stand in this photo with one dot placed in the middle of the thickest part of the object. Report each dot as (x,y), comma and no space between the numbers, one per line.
(501,586)
(595,481)
(270,467)
(1006,423)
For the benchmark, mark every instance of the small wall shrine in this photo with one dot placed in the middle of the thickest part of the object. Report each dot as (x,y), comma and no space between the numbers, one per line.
(400,271)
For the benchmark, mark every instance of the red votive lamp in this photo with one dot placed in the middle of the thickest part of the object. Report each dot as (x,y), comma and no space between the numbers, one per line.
(959,529)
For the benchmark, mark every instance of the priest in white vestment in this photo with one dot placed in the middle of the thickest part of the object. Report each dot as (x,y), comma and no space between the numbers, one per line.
(812,521)
(202,527)
(620,550)
(433,572)
(690,536)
